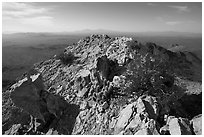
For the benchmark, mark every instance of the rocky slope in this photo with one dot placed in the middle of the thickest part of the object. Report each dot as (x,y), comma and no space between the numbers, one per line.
(104,85)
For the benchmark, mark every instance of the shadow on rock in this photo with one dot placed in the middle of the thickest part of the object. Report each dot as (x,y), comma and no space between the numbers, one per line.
(187,101)
(65,124)
(33,110)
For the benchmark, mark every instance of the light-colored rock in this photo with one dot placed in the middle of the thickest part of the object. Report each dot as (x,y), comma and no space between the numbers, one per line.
(197,124)
(144,131)
(151,125)
(84,73)
(13,130)
(125,115)
(118,50)
(82,92)
(148,128)
(83,105)
(52,132)
(179,126)
(135,123)
(140,106)
(137,116)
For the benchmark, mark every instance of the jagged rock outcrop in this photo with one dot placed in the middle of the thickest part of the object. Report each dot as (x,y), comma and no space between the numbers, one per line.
(138,117)
(107,86)
(37,109)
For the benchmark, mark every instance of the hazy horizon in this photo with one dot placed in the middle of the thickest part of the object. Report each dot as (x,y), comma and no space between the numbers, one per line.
(99,30)
(133,17)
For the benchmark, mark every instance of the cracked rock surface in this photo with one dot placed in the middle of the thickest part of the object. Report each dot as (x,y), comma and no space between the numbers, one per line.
(108,86)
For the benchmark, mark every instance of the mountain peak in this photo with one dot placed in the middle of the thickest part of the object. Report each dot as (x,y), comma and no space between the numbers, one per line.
(104,85)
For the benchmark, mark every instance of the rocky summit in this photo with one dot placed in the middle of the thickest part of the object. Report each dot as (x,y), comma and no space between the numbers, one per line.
(108,86)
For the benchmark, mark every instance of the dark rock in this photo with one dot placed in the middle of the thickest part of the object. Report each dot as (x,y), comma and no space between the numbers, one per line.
(191,101)
(152,106)
(26,95)
(29,95)
(186,101)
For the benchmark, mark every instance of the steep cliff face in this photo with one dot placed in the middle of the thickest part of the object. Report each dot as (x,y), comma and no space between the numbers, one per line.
(104,85)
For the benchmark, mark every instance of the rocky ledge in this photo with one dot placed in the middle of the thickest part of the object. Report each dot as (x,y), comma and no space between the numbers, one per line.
(104,85)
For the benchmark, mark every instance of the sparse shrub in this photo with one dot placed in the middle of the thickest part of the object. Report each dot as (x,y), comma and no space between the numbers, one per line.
(133,45)
(149,69)
(66,58)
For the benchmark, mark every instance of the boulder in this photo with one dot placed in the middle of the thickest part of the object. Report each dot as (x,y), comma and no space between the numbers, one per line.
(139,115)
(124,117)
(136,122)
(179,126)
(26,95)
(33,110)
(31,97)
(196,123)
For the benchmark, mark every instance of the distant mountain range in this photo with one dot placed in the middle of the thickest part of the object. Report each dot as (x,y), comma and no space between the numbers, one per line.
(112,32)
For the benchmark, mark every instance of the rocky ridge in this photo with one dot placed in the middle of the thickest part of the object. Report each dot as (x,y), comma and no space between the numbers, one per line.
(108,86)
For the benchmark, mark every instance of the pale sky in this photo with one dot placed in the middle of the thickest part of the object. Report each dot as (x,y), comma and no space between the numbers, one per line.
(128,17)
